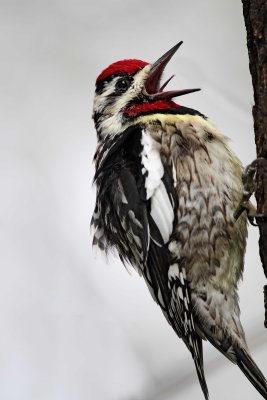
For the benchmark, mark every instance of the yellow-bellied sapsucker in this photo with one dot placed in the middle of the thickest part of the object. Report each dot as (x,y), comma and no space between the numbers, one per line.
(167,189)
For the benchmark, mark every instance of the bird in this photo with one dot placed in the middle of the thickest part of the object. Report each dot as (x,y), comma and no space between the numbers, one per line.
(167,190)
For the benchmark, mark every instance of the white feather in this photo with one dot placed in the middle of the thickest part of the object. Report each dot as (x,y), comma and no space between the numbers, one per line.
(151,161)
(162,212)
(173,271)
(161,207)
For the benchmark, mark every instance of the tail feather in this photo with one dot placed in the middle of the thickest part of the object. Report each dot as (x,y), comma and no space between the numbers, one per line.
(251,371)
(198,360)
(202,380)
(240,356)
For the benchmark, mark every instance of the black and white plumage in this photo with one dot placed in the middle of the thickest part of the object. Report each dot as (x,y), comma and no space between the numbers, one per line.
(167,188)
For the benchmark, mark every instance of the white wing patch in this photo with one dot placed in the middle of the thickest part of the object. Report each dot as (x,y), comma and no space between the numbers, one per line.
(152,164)
(162,211)
(161,207)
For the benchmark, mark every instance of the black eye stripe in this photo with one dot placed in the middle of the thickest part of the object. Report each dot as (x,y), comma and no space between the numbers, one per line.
(100,86)
(122,85)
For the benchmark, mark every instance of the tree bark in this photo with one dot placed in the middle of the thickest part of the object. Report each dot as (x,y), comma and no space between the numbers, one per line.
(255,15)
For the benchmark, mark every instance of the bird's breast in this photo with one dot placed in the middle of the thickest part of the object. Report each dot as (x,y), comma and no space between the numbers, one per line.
(208,185)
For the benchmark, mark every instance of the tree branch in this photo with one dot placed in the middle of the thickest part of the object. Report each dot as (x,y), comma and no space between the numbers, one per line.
(255,15)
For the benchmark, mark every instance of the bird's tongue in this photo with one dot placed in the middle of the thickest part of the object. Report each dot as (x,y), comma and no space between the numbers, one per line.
(152,84)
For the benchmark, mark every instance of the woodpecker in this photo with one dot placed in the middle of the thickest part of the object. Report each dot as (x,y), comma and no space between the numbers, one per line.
(167,189)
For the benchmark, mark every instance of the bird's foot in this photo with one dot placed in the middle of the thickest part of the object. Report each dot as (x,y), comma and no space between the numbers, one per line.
(249,187)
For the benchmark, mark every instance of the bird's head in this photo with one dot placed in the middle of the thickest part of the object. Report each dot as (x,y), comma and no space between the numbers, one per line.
(128,89)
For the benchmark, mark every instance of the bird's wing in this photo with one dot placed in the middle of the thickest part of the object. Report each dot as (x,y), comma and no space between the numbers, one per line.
(145,201)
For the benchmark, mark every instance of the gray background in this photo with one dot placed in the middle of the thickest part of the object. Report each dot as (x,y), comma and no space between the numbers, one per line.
(73,327)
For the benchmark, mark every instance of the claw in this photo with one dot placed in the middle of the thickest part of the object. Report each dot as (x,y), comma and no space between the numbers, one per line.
(251,219)
(249,187)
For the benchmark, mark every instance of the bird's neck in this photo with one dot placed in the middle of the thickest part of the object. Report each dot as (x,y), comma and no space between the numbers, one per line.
(114,124)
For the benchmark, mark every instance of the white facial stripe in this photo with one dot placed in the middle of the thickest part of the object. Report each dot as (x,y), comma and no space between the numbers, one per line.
(111,123)
(101,99)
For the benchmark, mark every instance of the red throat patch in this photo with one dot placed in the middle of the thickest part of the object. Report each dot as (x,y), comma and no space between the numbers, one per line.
(138,109)
(128,66)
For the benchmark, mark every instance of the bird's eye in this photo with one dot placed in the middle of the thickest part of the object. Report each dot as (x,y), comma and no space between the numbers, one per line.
(122,85)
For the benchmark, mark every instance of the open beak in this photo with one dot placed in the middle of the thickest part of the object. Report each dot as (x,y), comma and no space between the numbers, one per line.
(152,83)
